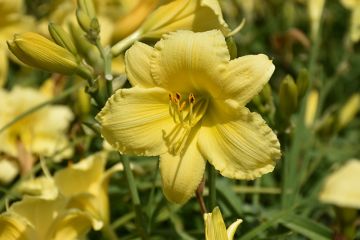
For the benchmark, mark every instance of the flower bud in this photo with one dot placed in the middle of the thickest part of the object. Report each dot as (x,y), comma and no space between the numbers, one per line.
(127,24)
(311,107)
(302,82)
(348,111)
(62,38)
(87,6)
(83,20)
(39,52)
(288,96)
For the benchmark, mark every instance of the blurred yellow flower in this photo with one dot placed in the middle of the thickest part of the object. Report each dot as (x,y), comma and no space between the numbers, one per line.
(90,193)
(43,219)
(312,102)
(188,106)
(354,7)
(215,228)
(41,132)
(8,170)
(315,10)
(194,15)
(341,188)
(348,112)
(12,21)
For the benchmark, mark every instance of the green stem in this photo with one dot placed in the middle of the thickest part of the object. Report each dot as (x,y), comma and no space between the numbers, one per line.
(135,197)
(121,46)
(41,105)
(109,233)
(212,187)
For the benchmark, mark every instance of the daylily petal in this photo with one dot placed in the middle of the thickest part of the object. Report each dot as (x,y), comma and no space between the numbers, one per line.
(40,213)
(246,76)
(137,60)
(72,224)
(215,228)
(341,187)
(240,146)
(13,227)
(181,174)
(89,203)
(133,120)
(8,170)
(85,174)
(232,229)
(195,15)
(188,62)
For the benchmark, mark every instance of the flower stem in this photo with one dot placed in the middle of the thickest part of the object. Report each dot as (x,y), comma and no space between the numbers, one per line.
(140,225)
(199,196)
(121,46)
(212,187)
(109,233)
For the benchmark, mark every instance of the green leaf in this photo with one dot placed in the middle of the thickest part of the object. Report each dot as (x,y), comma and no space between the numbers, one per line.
(307,227)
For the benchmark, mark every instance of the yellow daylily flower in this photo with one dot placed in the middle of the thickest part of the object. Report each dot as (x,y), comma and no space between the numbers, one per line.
(354,7)
(215,228)
(90,193)
(13,21)
(341,188)
(41,132)
(194,15)
(187,105)
(43,219)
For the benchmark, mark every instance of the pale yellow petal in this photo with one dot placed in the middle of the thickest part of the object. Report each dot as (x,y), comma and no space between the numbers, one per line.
(137,65)
(195,15)
(241,146)
(350,4)
(43,187)
(86,173)
(89,203)
(13,227)
(215,228)
(246,76)
(133,120)
(8,170)
(181,174)
(40,213)
(232,229)
(188,62)
(342,187)
(72,224)
(355,24)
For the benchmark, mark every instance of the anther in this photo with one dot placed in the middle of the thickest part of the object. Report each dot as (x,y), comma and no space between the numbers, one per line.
(178,96)
(191,98)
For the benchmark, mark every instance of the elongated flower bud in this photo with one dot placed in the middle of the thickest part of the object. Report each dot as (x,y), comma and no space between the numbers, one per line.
(302,82)
(288,96)
(62,38)
(348,111)
(311,107)
(39,52)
